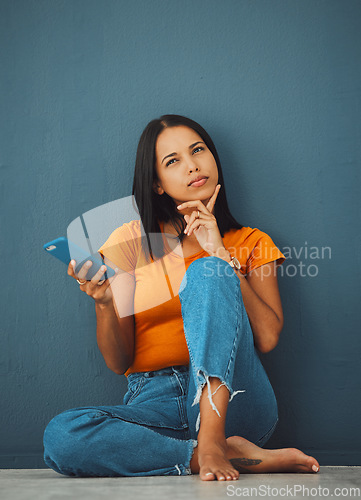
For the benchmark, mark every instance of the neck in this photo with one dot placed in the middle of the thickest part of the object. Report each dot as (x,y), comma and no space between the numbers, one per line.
(169,228)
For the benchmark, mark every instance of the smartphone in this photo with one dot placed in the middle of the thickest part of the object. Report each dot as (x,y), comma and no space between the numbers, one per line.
(65,250)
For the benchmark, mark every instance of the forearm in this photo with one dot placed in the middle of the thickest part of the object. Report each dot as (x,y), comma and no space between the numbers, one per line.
(115,338)
(263,320)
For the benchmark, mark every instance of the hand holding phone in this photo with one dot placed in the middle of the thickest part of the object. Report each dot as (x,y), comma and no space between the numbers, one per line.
(65,250)
(98,288)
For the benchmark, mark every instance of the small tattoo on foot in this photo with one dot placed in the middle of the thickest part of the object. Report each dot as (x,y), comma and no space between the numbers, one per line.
(241,463)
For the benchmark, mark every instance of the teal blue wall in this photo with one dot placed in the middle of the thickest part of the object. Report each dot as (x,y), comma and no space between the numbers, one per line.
(276,84)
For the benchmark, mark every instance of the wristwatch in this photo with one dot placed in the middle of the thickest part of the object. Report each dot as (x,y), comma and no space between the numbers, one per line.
(235,263)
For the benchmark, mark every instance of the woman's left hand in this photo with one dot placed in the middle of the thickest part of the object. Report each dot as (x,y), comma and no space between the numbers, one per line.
(205,226)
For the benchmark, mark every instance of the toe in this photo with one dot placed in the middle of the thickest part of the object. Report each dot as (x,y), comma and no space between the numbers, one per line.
(220,476)
(313,464)
(235,474)
(207,475)
(231,474)
(316,464)
(303,468)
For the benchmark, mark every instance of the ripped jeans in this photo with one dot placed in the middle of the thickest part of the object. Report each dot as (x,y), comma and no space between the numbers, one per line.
(155,430)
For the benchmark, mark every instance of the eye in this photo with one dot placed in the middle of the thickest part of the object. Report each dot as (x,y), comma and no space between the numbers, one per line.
(170,161)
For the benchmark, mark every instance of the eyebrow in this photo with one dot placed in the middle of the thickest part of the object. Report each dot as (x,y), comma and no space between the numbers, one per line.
(189,147)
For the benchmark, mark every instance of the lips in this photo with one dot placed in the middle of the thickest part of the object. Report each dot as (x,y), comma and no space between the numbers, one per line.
(196,181)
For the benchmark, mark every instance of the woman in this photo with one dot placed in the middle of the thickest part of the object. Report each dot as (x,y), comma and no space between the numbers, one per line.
(183,324)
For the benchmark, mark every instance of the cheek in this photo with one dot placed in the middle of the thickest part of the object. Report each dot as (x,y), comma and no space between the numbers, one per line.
(172,182)
(211,160)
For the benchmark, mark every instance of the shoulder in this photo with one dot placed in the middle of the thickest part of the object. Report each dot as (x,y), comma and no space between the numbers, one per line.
(133,227)
(128,233)
(126,230)
(253,246)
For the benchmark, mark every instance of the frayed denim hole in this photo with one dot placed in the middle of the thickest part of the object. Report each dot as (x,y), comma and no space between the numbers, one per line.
(200,386)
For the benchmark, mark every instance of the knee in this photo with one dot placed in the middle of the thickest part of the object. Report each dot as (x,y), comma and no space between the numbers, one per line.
(63,440)
(208,269)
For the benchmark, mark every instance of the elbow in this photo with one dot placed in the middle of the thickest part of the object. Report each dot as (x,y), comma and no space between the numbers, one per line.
(118,371)
(266,348)
(270,341)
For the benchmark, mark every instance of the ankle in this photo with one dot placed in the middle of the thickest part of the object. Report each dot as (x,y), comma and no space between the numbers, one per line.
(194,465)
(209,437)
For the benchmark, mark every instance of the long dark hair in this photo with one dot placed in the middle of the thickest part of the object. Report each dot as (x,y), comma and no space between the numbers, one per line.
(153,207)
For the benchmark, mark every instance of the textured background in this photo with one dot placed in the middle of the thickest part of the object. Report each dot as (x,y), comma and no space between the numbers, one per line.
(277,86)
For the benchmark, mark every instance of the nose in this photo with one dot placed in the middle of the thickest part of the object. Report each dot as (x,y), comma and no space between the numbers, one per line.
(192,168)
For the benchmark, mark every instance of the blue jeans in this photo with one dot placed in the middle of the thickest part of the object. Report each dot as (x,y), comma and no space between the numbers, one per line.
(155,430)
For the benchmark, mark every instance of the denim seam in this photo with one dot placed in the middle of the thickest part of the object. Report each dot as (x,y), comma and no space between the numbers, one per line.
(270,431)
(101,413)
(182,413)
(137,390)
(236,339)
(180,384)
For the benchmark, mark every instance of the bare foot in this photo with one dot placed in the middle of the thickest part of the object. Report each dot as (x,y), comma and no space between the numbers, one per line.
(247,457)
(212,461)
(224,461)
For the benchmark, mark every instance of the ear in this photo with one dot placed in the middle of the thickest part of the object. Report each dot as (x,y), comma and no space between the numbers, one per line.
(158,188)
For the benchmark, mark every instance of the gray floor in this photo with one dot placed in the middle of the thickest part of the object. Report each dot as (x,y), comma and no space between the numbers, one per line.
(41,484)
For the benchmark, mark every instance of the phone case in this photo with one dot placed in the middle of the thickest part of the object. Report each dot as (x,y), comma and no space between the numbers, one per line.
(65,250)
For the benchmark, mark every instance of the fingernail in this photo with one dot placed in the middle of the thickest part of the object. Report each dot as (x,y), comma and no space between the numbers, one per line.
(72,262)
(314,468)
